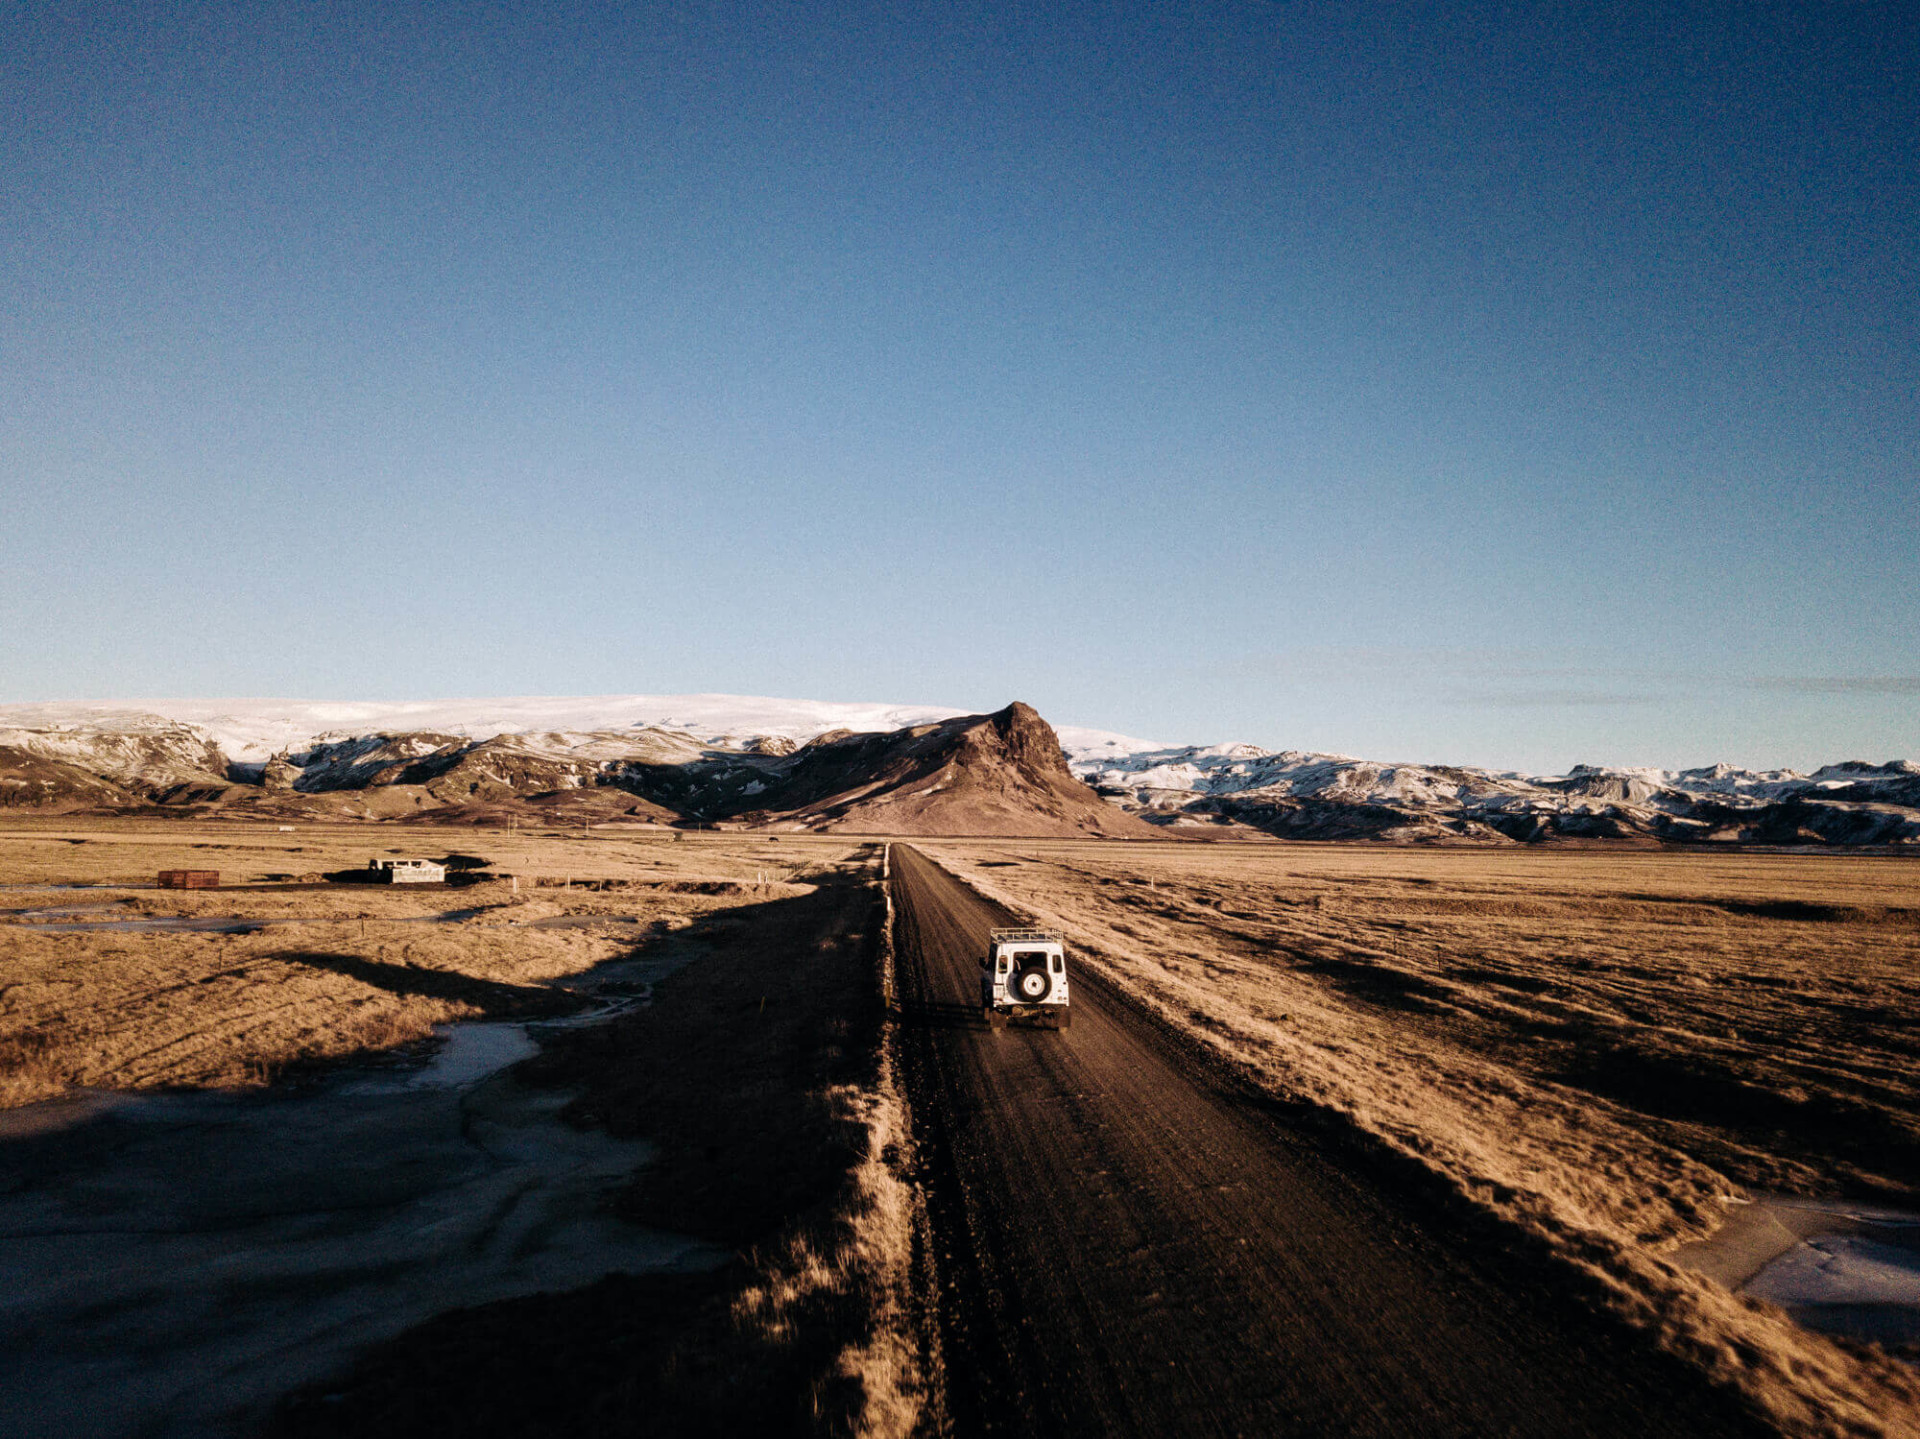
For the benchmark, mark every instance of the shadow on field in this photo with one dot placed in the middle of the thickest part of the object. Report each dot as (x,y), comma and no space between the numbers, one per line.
(491,997)
(1758,1106)
(734,1072)
(941,1014)
(1380,983)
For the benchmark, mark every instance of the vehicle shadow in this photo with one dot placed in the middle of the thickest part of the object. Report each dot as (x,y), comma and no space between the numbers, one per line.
(941,1014)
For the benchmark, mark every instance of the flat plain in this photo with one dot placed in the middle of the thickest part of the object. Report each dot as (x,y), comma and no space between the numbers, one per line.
(706,1015)
(1611,1052)
(1600,1058)
(301,972)
(1757,1012)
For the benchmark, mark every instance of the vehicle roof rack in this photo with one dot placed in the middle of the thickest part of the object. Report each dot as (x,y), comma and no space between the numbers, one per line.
(1016,936)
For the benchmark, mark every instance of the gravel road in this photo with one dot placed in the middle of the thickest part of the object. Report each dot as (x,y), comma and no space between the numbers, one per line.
(1125,1243)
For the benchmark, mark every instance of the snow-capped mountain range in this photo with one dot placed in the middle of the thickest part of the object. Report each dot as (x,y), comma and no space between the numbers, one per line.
(251,731)
(186,750)
(1329,795)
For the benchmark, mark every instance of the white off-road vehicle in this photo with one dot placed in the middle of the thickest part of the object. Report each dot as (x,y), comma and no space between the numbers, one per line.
(1024,976)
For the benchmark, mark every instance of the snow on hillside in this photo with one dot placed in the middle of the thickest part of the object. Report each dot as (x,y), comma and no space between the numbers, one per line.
(1089,749)
(1237,769)
(1185,776)
(251,731)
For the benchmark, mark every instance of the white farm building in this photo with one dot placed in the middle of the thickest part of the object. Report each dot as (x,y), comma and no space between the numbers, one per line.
(408,871)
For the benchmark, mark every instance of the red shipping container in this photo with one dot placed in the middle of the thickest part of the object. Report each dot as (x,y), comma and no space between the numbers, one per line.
(189,879)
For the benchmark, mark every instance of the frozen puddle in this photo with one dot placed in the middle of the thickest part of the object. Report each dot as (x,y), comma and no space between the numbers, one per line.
(1845,1269)
(42,888)
(1864,1284)
(87,918)
(165,924)
(470,1053)
(175,1263)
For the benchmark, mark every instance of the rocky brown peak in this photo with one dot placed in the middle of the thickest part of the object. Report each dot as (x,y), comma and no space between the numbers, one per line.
(1030,740)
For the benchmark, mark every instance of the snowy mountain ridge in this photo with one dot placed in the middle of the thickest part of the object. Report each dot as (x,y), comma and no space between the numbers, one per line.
(452,750)
(251,731)
(1237,768)
(1308,796)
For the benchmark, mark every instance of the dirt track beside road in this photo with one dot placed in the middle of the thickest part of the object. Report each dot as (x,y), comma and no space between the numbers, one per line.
(1126,1242)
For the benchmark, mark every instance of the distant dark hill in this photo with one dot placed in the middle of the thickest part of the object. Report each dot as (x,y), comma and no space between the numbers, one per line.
(31,781)
(997,774)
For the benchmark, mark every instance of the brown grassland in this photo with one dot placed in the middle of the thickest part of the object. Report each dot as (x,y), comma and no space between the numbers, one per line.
(1600,1053)
(338,971)
(760,1070)
(1604,1051)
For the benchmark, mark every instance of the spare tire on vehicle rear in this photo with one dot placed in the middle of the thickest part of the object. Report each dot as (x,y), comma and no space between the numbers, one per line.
(1033,984)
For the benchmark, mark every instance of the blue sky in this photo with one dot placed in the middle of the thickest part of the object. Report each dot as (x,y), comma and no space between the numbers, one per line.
(1511,385)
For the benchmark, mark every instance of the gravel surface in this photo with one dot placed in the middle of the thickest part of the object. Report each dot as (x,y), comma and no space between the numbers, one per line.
(1125,1243)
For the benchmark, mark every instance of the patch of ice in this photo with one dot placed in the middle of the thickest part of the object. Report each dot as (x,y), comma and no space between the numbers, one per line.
(30,888)
(181,1261)
(1841,1269)
(158,924)
(470,1053)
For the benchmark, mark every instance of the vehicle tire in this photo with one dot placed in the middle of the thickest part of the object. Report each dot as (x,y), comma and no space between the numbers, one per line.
(1032,985)
(1063,1020)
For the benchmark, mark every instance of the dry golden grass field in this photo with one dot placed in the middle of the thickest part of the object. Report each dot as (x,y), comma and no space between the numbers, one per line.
(1610,1050)
(1728,1021)
(336,971)
(1607,1052)
(757,1070)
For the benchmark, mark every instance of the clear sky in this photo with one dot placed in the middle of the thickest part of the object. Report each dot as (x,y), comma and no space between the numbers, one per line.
(1516,385)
